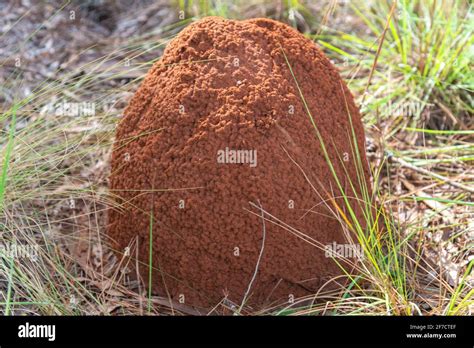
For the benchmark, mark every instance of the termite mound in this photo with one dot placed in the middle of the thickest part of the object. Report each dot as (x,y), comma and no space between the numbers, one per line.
(219,157)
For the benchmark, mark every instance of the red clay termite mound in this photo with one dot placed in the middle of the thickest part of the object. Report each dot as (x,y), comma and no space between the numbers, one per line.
(219,161)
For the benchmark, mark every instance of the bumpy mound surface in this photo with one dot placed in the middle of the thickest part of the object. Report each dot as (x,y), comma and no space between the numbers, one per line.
(223,86)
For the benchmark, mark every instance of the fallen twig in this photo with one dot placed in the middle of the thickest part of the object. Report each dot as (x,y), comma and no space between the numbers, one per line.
(434,175)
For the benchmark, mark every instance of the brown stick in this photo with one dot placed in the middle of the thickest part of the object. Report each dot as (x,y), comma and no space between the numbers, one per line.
(378,50)
(434,175)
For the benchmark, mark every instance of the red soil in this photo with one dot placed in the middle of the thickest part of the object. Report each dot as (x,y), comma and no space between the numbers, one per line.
(225,84)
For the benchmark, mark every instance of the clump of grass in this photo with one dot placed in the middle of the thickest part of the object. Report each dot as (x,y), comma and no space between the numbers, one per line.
(425,60)
(294,12)
(392,278)
(53,188)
